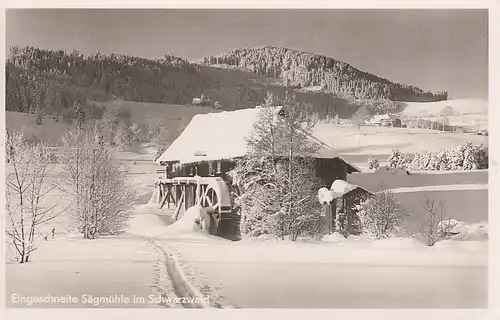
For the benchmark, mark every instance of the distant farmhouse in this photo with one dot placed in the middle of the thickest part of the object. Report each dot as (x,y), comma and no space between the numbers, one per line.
(385,120)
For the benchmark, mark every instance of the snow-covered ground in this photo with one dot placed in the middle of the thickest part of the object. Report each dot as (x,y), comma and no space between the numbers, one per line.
(348,274)
(333,273)
(111,272)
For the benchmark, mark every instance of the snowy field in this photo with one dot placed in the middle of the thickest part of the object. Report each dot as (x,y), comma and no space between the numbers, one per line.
(464,193)
(348,140)
(357,146)
(335,272)
(111,272)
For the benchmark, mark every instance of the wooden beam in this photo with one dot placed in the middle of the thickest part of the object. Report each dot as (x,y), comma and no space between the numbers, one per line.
(165,197)
(328,217)
(179,205)
(333,213)
(169,195)
(186,196)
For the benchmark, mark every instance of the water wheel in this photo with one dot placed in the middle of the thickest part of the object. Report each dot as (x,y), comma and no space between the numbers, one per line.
(210,201)
(213,195)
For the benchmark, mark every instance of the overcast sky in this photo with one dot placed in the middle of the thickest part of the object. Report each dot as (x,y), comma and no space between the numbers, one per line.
(432,49)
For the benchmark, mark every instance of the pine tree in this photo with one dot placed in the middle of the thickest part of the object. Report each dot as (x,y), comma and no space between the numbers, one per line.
(469,158)
(79,113)
(444,161)
(39,117)
(278,187)
(457,157)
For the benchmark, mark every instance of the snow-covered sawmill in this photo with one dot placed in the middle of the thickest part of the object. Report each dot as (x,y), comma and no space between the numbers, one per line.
(196,166)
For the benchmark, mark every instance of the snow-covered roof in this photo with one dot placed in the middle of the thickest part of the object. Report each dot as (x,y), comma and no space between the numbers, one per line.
(223,135)
(338,189)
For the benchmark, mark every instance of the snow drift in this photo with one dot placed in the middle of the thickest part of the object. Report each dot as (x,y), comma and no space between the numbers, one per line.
(186,228)
(465,231)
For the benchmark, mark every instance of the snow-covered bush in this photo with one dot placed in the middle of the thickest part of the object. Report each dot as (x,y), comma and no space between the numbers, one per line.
(481,156)
(469,161)
(336,119)
(443,160)
(373,164)
(457,156)
(424,160)
(433,164)
(382,215)
(397,159)
(463,156)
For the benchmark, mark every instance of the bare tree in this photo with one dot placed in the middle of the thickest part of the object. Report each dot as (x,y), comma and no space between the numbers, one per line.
(101,198)
(26,191)
(110,121)
(123,136)
(434,225)
(135,133)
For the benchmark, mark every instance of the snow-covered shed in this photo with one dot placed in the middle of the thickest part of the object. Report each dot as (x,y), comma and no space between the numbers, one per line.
(211,143)
(341,200)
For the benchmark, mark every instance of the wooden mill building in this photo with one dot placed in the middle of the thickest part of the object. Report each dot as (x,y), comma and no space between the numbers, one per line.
(209,147)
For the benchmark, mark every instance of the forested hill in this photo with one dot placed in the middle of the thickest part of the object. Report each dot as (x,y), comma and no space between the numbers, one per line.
(36,78)
(295,68)
(50,82)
